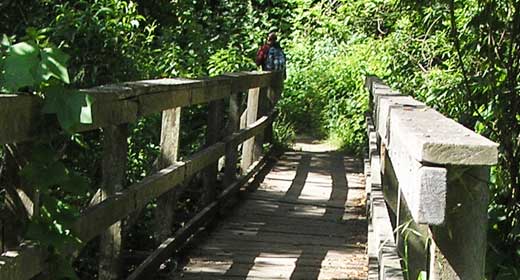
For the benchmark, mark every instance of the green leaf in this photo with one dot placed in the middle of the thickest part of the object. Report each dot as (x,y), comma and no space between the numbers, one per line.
(20,66)
(5,41)
(53,64)
(70,107)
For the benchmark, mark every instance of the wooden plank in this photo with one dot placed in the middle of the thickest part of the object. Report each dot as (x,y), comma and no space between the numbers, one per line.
(296,213)
(282,226)
(268,246)
(130,90)
(284,238)
(342,257)
(274,268)
(201,159)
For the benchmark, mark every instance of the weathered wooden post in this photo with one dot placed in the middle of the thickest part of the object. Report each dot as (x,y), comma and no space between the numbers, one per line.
(166,203)
(230,166)
(213,134)
(458,247)
(115,150)
(250,147)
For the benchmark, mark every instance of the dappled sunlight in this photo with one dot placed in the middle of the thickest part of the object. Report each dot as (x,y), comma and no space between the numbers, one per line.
(317,189)
(273,266)
(309,210)
(210,267)
(304,221)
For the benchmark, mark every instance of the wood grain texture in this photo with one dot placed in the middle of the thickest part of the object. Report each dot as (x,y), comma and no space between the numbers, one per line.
(282,232)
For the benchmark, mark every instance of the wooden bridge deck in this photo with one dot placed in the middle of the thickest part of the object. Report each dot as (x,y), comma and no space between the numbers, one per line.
(305,221)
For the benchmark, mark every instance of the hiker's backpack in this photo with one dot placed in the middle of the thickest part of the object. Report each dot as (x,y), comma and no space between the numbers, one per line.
(261,55)
(275,59)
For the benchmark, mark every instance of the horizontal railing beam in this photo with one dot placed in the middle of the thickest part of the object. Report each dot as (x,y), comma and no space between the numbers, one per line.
(124,103)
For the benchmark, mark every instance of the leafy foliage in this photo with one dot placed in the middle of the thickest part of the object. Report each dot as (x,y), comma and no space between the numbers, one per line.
(460,57)
(42,70)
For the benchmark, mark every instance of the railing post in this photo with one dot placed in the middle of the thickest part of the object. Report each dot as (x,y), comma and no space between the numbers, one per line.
(230,167)
(115,150)
(166,203)
(213,133)
(250,149)
(459,247)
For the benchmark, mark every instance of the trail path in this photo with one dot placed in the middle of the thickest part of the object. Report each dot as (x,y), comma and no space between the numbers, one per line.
(305,221)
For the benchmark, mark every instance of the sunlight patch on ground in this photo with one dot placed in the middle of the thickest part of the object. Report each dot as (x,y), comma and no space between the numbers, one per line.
(309,210)
(210,266)
(317,189)
(347,263)
(273,266)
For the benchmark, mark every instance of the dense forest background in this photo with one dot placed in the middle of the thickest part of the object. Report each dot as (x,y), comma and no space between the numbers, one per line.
(461,57)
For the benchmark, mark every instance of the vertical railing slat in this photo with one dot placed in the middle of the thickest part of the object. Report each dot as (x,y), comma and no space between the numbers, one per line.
(230,167)
(248,148)
(166,203)
(115,150)
(213,135)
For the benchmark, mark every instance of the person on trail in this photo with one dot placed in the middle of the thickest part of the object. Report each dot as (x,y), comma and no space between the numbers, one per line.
(271,56)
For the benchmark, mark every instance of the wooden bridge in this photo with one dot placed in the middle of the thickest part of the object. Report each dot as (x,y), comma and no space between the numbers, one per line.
(312,213)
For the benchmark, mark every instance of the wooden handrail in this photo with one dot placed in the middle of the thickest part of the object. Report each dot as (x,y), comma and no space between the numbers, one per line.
(124,103)
(434,173)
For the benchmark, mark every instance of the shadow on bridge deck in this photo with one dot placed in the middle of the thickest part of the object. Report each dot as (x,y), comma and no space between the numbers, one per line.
(305,221)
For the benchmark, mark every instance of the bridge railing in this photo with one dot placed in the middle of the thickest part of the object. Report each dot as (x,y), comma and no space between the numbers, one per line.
(117,105)
(427,190)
